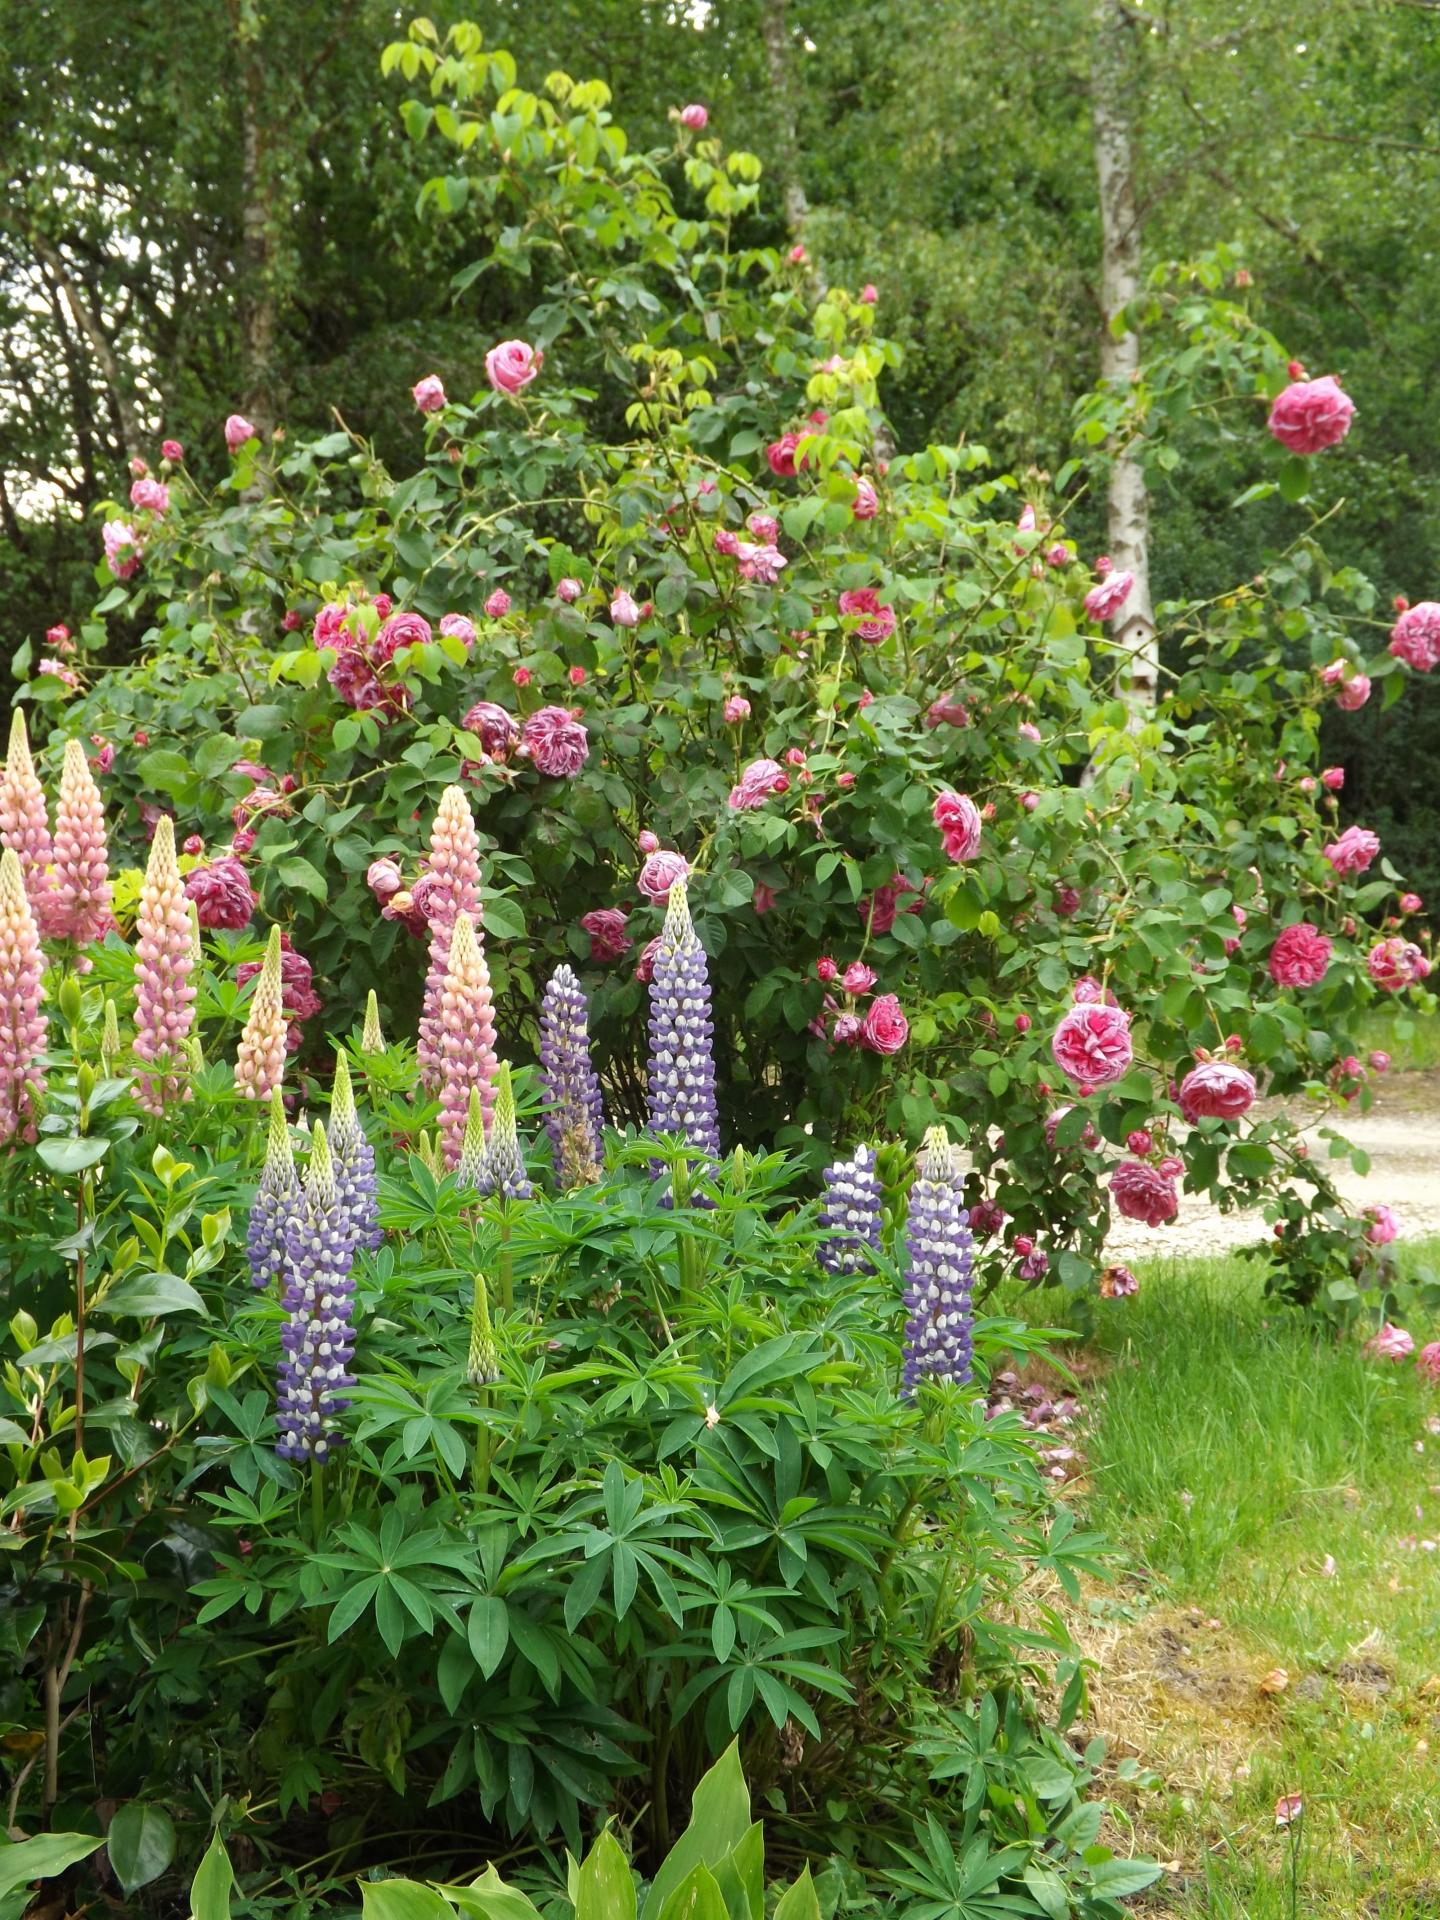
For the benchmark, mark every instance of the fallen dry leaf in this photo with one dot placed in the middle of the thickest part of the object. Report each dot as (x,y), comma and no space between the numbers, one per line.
(1275,1681)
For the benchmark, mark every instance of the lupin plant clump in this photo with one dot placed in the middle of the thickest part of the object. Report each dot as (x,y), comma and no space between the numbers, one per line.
(165,958)
(260,1057)
(276,1198)
(354,1158)
(502,1167)
(22,1021)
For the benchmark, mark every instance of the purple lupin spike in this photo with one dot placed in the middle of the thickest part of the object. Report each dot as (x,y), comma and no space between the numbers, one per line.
(276,1198)
(939,1331)
(681,1081)
(354,1158)
(852,1212)
(318,1338)
(573,1112)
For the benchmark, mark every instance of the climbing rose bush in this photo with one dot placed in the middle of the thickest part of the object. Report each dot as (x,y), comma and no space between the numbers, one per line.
(659,590)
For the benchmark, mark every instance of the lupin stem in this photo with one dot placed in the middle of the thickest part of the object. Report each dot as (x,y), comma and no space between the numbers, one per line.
(317,1501)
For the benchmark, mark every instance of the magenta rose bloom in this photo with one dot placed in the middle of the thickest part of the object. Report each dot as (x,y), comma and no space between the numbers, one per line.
(858,978)
(884,1028)
(1311,415)
(1105,600)
(947,711)
(696,117)
(867,501)
(1092,1045)
(760,565)
(1427,1362)
(1383,1228)
(781,455)
(455,626)
(645,965)
(1353,694)
(736,710)
(659,874)
(153,496)
(1141,1192)
(1397,964)
(497,605)
(171,450)
(400,630)
(958,819)
(608,938)
(874,620)
(1414,638)
(512,365)
(222,894)
(1353,851)
(1216,1090)
(555,742)
(122,548)
(497,730)
(757,782)
(1391,1342)
(237,431)
(1300,956)
(428,394)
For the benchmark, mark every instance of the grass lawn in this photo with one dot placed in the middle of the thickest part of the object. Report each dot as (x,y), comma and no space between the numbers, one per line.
(1280,1630)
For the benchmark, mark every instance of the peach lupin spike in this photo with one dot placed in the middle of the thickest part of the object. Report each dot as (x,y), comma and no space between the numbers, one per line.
(452,881)
(82,867)
(24,826)
(467,1038)
(22,1024)
(164,991)
(260,1058)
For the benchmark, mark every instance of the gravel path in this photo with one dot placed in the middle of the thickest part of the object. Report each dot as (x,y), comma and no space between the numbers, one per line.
(1401,1134)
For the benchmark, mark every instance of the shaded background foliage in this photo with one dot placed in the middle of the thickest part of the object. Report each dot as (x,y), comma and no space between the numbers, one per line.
(211,206)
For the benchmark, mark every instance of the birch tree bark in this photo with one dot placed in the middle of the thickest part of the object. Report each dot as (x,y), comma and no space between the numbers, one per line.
(1128,503)
(778,64)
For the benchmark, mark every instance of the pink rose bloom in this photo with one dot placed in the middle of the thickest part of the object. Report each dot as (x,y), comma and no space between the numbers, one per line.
(1397,964)
(875,620)
(1380,1061)
(947,711)
(521,676)
(1027,730)
(1354,693)
(222,894)
(736,710)
(242,841)
(1311,415)
(1383,1228)
(1427,1362)
(645,965)
(608,938)
(763,899)
(1057,556)
(1300,956)
(497,605)
(1333,779)
(1353,851)
(1415,637)
(847,1029)
(171,450)
(496,730)
(757,782)
(958,819)
(569,590)
(428,394)
(512,366)
(122,548)
(104,754)
(696,117)
(659,874)
(383,877)
(237,431)
(727,541)
(1216,1090)
(1411,903)
(1026,522)
(884,1028)
(400,630)
(825,968)
(797,255)
(765,527)
(67,676)
(456,626)
(1390,1343)
(623,610)
(192,843)
(858,978)
(1092,1044)
(781,455)
(867,501)
(868,294)
(761,565)
(1104,601)
(1088,1136)
(151,495)
(1332,675)
(1141,1192)
(647,841)
(58,637)
(555,742)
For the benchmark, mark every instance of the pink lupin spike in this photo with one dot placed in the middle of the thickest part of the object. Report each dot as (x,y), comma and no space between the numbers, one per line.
(82,868)
(260,1058)
(164,992)
(24,827)
(467,1038)
(22,1024)
(451,887)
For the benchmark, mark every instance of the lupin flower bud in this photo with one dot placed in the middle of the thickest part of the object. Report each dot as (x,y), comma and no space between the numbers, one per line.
(109,1036)
(318,1338)
(470,1167)
(483,1369)
(354,1161)
(938,1334)
(260,1058)
(22,1024)
(502,1168)
(164,961)
(24,827)
(852,1212)
(573,1112)
(372,1040)
(276,1199)
(467,1037)
(82,868)
(428,1153)
(681,1082)
(454,876)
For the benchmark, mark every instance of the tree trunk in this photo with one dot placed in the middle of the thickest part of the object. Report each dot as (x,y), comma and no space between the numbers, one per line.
(1128,502)
(782,93)
(88,324)
(258,263)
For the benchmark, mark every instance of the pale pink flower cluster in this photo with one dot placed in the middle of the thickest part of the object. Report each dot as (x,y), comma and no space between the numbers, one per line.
(757,782)
(1415,636)
(453,888)
(467,1037)
(22,1024)
(164,960)
(1396,964)
(81,890)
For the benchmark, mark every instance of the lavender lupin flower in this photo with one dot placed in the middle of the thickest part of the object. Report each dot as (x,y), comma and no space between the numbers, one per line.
(573,1112)
(318,1338)
(502,1166)
(354,1159)
(938,1334)
(276,1199)
(681,1081)
(852,1212)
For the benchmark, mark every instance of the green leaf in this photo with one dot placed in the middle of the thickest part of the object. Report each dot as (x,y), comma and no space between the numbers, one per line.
(151,1294)
(1116,1877)
(42,1857)
(298,872)
(140,1843)
(402,1900)
(799,1902)
(490,1899)
(719,1821)
(489,1632)
(607,1886)
(73,1154)
(1295,479)
(210,1889)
